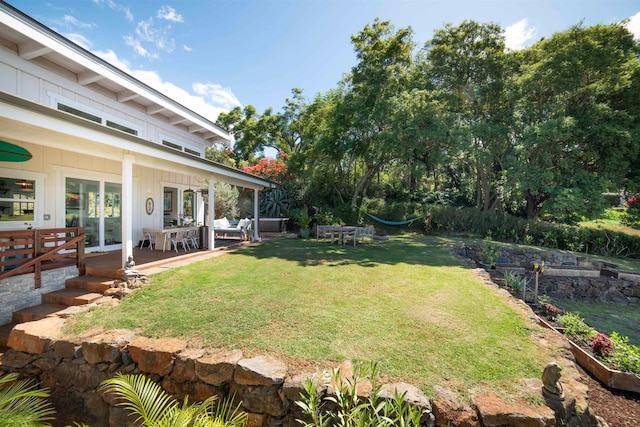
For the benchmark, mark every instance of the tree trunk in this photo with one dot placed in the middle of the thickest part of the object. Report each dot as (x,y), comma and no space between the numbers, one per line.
(534,204)
(362,184)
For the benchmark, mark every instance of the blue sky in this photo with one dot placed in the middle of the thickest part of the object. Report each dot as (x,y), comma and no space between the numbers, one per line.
(213,55)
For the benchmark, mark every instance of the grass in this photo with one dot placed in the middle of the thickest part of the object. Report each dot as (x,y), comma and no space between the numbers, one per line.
(607,318)
(405,303)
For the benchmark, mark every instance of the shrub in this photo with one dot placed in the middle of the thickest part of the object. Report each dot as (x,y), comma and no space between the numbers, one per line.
(552,310)
(575,327)
(601,344)
(508,228)
(625,357)
(345,408)
(515,281)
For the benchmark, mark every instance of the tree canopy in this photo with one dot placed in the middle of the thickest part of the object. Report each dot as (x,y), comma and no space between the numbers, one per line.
(462,120)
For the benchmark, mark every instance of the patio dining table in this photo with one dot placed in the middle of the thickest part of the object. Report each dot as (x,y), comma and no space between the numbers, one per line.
(341,232)
(161,236)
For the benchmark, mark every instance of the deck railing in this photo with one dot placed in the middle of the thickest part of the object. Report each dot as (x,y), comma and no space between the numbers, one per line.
(31,251)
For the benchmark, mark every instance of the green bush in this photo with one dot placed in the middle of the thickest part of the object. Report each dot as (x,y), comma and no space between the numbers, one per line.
(507,228)
(344,407)
(575,327)
(625,356)
(515,281)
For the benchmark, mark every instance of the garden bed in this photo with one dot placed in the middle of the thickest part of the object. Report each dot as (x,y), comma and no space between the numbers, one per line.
(612,378)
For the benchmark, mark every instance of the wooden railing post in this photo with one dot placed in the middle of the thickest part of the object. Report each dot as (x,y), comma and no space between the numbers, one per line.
(82,267)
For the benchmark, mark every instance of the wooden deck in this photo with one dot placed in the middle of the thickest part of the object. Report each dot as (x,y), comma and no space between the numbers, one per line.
(146,258)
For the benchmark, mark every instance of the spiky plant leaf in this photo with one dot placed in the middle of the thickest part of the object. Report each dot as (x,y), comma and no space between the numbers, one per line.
(22,404)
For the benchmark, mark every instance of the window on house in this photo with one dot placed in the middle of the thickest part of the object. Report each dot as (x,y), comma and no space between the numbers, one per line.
(79,113)
(17,199)
(121,127)
(190,151)
(97,119)
(172,145)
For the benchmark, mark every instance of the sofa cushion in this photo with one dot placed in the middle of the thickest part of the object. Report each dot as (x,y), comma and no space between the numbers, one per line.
(221,223)
(244,223)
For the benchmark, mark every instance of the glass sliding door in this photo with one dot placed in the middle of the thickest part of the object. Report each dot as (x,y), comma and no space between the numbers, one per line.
(112,213)
(96,206)
(82,208)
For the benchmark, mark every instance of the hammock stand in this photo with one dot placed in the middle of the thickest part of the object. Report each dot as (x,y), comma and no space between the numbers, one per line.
(385,222)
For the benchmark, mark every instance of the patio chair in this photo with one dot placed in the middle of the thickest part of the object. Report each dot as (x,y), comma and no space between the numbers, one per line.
(192,237)
(178,237)
(362,233)
(325,231)
(350,234)
(148,237)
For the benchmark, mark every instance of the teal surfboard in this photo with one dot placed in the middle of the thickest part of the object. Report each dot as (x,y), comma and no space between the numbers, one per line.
(13,153)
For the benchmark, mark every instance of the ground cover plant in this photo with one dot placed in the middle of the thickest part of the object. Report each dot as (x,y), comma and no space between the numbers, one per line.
(608,318)
(405,303)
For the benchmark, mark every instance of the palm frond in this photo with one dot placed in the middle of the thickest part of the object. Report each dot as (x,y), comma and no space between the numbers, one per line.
(142,396)
(23,403)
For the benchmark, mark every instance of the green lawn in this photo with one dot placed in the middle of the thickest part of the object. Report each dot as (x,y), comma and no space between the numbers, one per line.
(405,303)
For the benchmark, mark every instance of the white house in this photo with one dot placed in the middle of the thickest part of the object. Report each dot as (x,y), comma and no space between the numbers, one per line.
(109,153)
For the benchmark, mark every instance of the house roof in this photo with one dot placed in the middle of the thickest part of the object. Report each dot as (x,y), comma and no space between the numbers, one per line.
(36,42)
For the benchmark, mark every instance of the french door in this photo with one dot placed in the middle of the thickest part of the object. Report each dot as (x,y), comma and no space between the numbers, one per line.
(96,206)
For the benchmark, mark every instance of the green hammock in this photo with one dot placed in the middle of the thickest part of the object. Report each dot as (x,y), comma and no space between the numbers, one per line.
(384,221)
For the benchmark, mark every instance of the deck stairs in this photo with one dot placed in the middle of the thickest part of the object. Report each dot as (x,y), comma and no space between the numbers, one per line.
(78,291)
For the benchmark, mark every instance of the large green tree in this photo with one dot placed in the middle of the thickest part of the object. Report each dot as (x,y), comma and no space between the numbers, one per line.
(574,137)
(365,117)
(470,71)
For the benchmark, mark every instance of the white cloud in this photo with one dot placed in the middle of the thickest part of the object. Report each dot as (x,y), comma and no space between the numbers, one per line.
(117,7)
(73,21)
(139,49)
(218,95)
(152,38)
(518,34)
(79,39)
(633,25)
(186,48)
(168,13)
(209,99)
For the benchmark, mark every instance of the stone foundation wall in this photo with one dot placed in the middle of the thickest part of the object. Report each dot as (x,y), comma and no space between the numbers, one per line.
(19,292)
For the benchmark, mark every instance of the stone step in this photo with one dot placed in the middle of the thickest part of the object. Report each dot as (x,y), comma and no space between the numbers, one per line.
(90,283)
(5,330)
(109,273)
(36,312)
(70,297)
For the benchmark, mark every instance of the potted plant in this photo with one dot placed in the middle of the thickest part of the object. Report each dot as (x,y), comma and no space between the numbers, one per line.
(303,220)
(490,254)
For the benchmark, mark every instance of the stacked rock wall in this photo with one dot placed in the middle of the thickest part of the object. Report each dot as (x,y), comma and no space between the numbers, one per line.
(568,276)
(72,369)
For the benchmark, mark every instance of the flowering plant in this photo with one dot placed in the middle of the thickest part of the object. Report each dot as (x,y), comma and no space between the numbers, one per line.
(552,310)
(601,344)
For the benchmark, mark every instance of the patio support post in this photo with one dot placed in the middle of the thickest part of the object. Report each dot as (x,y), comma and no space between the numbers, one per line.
(211,214)
(256,214)
(126,207)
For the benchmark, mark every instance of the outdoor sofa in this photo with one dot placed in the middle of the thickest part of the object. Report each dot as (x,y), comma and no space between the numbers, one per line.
(223,228)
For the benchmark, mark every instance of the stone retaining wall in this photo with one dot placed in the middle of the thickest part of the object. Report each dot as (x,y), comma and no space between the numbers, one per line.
(73,368)
(18,292)
(567,276)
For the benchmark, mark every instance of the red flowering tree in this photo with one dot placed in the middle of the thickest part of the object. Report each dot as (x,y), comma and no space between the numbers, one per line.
(273,169)
(632,216)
